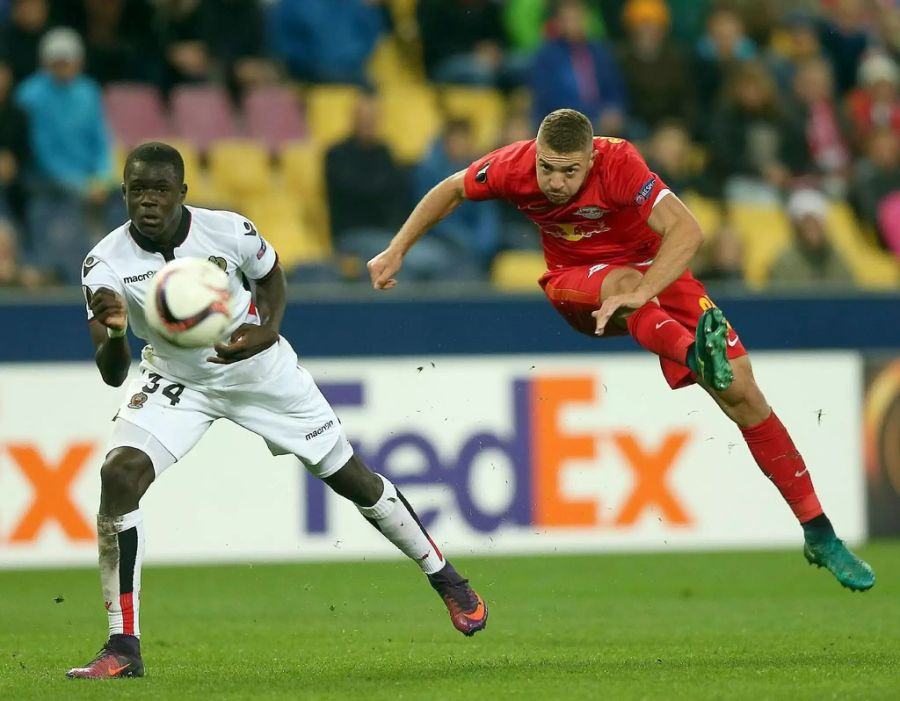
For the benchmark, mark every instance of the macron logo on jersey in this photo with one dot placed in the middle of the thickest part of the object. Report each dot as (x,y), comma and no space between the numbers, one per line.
(139,278)
(645,191)
(481,175)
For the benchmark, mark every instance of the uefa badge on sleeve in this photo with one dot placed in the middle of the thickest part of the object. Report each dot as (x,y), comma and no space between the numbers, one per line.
(645,191)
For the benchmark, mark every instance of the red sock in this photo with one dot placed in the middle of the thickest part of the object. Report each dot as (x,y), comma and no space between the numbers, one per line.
(775,453)
(659,333)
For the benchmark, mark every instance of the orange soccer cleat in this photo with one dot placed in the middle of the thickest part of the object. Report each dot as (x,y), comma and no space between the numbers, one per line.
(468,612)
(114,661)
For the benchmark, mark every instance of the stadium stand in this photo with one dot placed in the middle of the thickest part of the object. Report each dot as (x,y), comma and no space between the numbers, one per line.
(329,112)
(136,113)
(240,170)
(272,116)
(202,114)
(517,271)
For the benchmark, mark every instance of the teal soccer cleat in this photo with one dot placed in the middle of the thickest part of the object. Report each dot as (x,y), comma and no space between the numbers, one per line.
(708,357)
(847,568)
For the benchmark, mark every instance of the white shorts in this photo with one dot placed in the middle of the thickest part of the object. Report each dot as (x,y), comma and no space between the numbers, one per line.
(285,408)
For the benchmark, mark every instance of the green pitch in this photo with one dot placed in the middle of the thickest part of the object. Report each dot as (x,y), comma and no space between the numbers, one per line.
(757,625)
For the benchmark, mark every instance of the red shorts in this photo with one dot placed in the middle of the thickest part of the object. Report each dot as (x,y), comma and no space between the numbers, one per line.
(575,293)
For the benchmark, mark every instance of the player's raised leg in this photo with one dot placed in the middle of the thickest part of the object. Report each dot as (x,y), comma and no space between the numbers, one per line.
(382,504)
(778,458)
(125,476)
(703,351)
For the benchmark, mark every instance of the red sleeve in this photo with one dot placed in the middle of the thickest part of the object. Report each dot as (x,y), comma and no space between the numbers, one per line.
(628,180)
(488,177)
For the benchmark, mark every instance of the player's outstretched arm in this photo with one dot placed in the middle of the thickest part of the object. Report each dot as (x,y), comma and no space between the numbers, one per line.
(108,331)
(250,339)
(440,201)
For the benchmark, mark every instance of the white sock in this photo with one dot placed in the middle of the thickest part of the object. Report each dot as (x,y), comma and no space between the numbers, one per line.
(394,517)
(120,540)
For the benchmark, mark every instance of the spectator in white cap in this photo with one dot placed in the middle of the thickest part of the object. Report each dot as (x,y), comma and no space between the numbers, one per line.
(876,102)
(70,179)
(810,260)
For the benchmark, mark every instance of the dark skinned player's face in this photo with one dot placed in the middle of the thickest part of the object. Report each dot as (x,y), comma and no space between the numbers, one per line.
(154,194)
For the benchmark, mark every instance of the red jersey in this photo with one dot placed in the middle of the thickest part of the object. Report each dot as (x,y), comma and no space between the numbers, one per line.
(605,222)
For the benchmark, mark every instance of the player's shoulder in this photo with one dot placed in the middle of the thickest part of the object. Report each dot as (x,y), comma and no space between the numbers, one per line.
(110,247)
(615,158)
(507,164)
(518,153)
(613,147)
(219,221)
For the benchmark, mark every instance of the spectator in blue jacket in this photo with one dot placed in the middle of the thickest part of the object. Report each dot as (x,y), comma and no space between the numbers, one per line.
(326,41)
(70,176)
(470,236)
(574,71)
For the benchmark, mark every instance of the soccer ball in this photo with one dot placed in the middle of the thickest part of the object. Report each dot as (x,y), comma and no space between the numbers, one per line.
(188,303)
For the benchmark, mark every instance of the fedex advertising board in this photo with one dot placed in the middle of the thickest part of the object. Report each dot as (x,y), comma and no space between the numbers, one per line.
(507,454)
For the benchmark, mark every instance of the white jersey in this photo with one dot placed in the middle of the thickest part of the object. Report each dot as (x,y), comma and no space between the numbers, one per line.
(125,262)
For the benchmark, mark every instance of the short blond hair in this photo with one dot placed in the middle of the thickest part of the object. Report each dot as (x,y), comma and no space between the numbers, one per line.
(566,131)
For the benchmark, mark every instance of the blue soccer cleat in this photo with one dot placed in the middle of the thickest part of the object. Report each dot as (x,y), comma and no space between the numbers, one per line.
(847,568)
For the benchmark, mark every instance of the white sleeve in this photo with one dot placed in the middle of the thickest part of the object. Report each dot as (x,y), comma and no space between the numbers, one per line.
(96,273)
(257,257)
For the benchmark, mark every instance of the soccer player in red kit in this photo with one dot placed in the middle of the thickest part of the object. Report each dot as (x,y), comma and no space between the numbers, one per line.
(618,244)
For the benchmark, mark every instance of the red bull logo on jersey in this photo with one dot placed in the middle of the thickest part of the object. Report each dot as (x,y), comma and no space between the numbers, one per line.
(538,453)
(575,232)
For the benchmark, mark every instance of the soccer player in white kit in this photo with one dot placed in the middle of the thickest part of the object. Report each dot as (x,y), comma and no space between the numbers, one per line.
(252,378)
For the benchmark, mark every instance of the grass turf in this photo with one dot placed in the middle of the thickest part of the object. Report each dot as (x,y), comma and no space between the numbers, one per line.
(760,625)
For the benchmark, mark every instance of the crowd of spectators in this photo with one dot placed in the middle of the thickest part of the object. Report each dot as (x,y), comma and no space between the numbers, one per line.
(792,103)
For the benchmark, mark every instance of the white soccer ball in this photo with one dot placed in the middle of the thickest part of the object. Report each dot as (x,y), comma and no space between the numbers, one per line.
(188,303)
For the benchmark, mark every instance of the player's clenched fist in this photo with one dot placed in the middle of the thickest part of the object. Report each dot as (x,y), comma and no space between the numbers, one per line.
(382,269)
(108,308)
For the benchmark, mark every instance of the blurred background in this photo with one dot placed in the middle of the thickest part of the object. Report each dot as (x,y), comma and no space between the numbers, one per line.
(777,122)
(325,121)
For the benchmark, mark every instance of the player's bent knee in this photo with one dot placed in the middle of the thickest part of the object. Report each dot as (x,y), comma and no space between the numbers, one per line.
(356,482)
(126,471)
(620,281)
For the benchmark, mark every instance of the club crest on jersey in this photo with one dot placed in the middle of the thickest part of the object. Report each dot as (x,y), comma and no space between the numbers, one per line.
(137,401)
(89,263)
(591,212)
(481,175)
(645,191)
(220,262)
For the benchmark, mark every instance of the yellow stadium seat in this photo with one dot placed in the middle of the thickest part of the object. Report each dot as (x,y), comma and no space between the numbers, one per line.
(279,217)
(394,64)
(765,232)
(871,266)
(120,153)
(239,168)
(201,191)
(403,9)
(484,108)
(707,211)
(329,112)
(303,176)
(518,271)
(410,120)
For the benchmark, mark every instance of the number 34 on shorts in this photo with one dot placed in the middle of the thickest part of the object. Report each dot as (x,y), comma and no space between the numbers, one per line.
(170,391)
